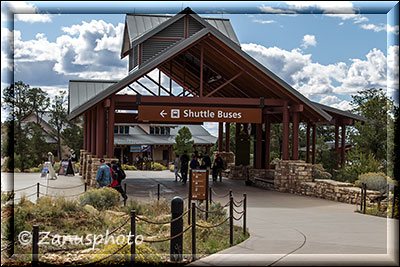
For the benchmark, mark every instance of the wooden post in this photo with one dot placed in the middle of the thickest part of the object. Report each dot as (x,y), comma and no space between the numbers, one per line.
(258,152)
(158,192)
(176,244)
(295,136)
(362,197)
(110,128)
(100,131)
(35,245)
(314,141)
(343,140)
(85,186)
(93,132)
(220,136)
(308,143)
(244,212)
(133,233)
(337,143)
(227,136)
(201,68)
(231,221)
(89,132)
(267,141)
(285,138)
(193,231)
(85,124)
(365,198)
(210,195)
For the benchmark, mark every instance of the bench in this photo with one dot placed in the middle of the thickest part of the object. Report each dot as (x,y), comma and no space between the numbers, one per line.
(264,180)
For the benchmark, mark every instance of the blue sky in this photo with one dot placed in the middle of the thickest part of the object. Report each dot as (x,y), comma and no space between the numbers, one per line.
(326,50)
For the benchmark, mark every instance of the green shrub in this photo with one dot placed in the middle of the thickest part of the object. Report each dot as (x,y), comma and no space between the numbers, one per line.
(128,167)
(17,170)
(376,181)
(318,172)
(171,168)
(35,169)
(102,199)
(155,166)
(359,163)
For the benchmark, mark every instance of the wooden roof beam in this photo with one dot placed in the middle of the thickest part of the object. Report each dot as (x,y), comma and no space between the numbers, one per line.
(225,83)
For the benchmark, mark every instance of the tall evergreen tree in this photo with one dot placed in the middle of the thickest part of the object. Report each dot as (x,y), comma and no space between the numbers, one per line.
(40,102)
(58,114)
(183,141)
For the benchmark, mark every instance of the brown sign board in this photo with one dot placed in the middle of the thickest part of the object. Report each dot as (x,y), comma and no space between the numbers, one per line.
(198,184)
(198,114)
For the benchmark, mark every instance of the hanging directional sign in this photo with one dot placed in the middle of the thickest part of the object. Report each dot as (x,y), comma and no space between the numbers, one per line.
(198,114)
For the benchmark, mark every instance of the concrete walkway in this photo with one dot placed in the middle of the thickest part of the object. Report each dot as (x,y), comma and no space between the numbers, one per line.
(285,229)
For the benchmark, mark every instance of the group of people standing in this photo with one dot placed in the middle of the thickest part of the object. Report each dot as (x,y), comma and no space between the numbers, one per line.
(182,164)
(111,174)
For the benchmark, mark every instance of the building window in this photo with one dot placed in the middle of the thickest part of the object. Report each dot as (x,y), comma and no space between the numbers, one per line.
(121,129)
(115,129)
(126,129)
(160,130)
(165,154)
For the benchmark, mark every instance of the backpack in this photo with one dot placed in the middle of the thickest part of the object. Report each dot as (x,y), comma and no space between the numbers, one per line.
(120,172)
(114,177)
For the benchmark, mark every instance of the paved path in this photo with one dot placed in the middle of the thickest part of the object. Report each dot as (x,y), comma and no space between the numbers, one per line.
(285,229)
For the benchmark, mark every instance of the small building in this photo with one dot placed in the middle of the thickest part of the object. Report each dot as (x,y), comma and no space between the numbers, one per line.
(155,141)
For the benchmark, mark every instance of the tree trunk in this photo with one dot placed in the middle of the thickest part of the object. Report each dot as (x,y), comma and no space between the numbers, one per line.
(20,146)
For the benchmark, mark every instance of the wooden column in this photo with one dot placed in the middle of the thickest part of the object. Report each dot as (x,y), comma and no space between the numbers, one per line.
(110,129)
(227,136)
(267,141)
(314,141)
(295,136)
(93,132)
(337,143)
(100,131)
(308,142)
(201,68)
(343,160)
(258,152)
(85,125)
(220,136)
(285,132)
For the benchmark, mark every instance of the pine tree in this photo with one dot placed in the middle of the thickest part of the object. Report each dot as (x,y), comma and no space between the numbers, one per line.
(183,141)
(58,114)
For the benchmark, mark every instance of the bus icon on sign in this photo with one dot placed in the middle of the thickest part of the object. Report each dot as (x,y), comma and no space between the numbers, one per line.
(175,113)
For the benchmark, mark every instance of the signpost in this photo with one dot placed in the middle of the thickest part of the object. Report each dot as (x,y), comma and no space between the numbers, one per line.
(199,114)
(63,168)
(45,169)
(198,186)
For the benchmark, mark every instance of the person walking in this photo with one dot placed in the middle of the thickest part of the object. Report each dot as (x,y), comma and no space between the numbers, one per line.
(217,168)
(51,171)
(184,166)
(116,178)
(177,166)
(103,176)
(194,164)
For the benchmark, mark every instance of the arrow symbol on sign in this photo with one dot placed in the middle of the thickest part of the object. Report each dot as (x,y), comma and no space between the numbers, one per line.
(163,113)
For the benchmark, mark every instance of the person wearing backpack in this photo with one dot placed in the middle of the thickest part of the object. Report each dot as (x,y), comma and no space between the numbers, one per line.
(116,184)
(120,176)
(184,166)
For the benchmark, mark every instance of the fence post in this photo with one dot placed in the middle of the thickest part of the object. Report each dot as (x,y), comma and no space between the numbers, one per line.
(193,231)
(125,194)
(210,195)
(37,191)
(244,212)
(230,193)
(206,210)
(85,186)
(189,204)
(176,244)
(394,199)
(133,233)
(35,246)
(231,221)
(158,192)
(362,197)
(365,198)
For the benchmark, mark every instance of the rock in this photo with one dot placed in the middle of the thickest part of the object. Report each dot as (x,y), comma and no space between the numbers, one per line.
(92,210)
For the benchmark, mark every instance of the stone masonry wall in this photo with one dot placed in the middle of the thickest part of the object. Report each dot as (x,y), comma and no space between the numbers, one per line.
(89,167)
(296,177)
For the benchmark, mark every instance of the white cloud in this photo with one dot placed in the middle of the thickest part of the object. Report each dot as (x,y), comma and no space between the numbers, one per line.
(308,40)
(268,9)
(328,7)
(329,99)
(381,27)
(343,105)
(264,21)
(27,12)
(317,80)
(393,70)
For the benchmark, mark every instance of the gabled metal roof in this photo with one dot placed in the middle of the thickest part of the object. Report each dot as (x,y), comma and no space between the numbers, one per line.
(139,27)
(340,112)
